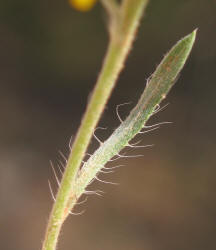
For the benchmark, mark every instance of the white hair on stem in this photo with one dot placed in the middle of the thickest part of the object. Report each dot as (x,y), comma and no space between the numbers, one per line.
(115,167)
(82,202)
(60,170)
(157,124)
(158,108)
(129,156)
(63,156)
(79,213)
(61,164)
(117,110)
(149,130)
(134,145)
(106,182)
(51,191)
(100,142)
(56,177)
(95,192)
(70,143)
(106,172)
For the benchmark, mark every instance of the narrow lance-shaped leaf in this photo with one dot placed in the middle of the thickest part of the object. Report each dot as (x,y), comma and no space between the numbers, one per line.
(156,90)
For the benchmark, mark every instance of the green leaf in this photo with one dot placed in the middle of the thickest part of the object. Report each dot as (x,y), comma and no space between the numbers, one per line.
(156,90)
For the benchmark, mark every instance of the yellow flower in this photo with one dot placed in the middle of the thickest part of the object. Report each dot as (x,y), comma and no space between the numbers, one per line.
(82,5)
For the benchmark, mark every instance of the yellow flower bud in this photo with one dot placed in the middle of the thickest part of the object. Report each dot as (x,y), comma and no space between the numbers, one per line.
(82,5)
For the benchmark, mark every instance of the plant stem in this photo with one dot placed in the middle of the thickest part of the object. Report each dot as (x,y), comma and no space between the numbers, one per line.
(120,43)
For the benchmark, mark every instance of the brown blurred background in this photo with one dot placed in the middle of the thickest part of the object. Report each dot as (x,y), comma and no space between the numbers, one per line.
(50,56)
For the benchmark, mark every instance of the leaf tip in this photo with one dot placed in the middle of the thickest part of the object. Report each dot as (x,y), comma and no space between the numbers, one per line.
(191,37)
(193,34)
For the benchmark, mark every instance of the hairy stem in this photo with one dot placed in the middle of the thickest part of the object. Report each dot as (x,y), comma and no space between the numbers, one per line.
(121,38)
(156,90)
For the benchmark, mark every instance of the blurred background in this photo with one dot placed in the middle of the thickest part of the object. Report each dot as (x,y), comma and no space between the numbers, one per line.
(50,57)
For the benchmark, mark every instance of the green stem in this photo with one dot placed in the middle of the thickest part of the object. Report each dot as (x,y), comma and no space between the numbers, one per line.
(112,8)
(156,90)
(120,43)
